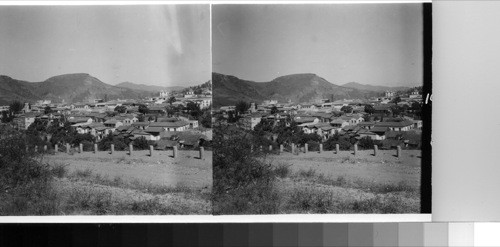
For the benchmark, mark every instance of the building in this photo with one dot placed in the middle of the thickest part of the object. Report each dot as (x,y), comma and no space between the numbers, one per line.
(164,94)
(415,94)
(167,126)
(396,126)
(249,122)
(24,121)
(389,94)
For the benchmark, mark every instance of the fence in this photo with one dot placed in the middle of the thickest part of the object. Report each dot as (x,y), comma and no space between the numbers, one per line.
(79,149)
(296,150)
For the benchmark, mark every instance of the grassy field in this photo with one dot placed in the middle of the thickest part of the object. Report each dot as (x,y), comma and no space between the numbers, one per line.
(89,184)
(344,183)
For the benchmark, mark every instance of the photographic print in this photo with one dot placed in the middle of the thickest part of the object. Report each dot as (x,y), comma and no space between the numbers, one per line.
(319,109)
(105,110)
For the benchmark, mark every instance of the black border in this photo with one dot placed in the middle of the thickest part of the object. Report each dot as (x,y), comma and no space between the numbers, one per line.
(426,174)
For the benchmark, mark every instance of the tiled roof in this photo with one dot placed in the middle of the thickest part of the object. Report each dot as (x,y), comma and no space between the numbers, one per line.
(168,124)
(154,129)
(394,124)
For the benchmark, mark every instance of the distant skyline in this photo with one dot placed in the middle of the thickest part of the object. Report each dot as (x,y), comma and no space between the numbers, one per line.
(377,44)
(162,45)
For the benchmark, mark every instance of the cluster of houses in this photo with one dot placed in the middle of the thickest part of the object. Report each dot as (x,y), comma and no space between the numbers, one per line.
(185,131)
(326,118)
(327,124)
(100,119)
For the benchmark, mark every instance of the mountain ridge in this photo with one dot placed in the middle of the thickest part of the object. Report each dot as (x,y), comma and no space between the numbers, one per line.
(298,88)
(375,88)
(68,88)
(149,88)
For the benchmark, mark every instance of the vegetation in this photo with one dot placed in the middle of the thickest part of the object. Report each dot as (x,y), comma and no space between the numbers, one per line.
(242,183)
(242,107)
(121,109)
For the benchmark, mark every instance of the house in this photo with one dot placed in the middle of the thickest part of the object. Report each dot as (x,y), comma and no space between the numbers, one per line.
(396,126)
(308,107)
(382,109)
(203,102)
(140,125)
(372,135)
(379,130)
(353,119)
(339,123)
(80,121)
(324,130)
(249,122)
(366,125)
(127,119)
(170,126)
(150,136)
(322,116)
(306,120)
(113,123)
(156,110)
(24,121)
(417,124)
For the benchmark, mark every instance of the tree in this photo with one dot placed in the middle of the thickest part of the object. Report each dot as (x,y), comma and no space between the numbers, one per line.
(369,109)
(141,118)
(171,100)
(198,91)
(193,109)
(47,110)
(346,109)
(121,109)
(143,109)
(242,107)
(396,100)
(396,110)
(206,119)
(16,107)
(274,110)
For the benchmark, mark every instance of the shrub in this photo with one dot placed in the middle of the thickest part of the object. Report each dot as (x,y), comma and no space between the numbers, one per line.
(25,182)
(141,144)
(282,170)
(59,170)
(313,146)
(343,141)
(87,146)
(368,143)
(242,183)
(307,174)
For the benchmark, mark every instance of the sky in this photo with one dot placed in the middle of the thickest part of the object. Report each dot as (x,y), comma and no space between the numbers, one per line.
(378,44)
(164,45)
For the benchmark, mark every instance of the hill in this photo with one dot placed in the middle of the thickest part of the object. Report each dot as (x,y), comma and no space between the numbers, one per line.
(68,88)
(369,87)
(149,88)
(297,88)
(12,89)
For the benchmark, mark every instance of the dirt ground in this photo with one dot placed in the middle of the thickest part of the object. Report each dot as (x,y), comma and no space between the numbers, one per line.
(383,168)
(160,169)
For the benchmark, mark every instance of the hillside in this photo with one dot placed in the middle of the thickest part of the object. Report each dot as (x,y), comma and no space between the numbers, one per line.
(297,87)
(149,88)
(68,88)
(369,87)
(12,89)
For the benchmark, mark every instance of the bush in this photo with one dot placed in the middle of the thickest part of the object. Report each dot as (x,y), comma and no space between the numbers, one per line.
(141,144)
(282,170)
(313,146)
(25,182)
(368,143)
(87,146)
(242,183)
(343,141)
